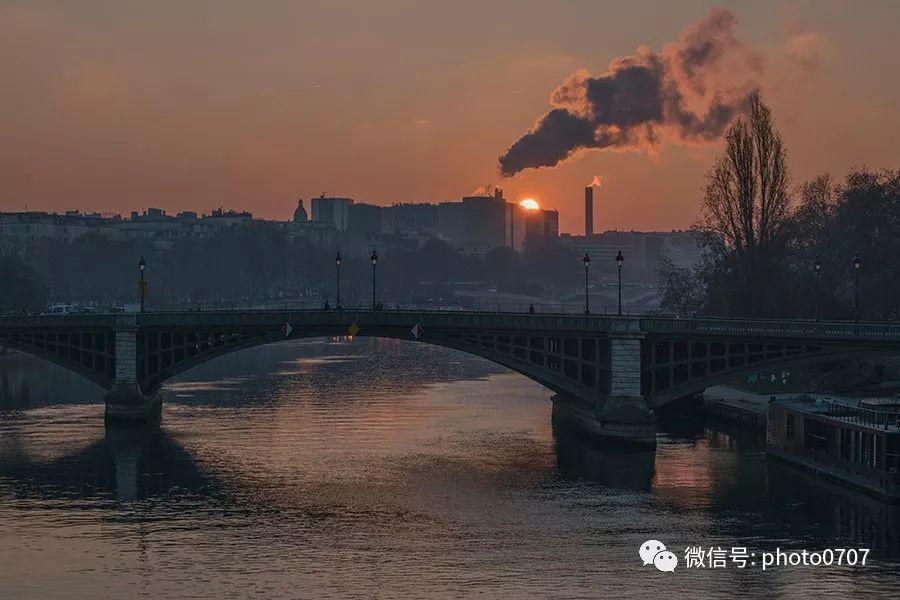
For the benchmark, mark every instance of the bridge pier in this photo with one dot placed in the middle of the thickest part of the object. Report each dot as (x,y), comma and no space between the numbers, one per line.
(624,414)
(626,419)
(125,401)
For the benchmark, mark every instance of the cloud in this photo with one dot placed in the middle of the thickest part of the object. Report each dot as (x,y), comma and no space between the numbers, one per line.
(806,49)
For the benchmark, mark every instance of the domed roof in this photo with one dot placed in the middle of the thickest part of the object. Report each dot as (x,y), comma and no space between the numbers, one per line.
(300,215)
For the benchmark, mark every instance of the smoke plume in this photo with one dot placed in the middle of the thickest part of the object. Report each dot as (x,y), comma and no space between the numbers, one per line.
(689,92)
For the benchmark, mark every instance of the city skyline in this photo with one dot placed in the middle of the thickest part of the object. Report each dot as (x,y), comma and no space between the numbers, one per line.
(504,299)
(115,112)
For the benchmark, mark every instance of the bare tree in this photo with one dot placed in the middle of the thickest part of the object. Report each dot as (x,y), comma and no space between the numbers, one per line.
(746,206)
(683,291)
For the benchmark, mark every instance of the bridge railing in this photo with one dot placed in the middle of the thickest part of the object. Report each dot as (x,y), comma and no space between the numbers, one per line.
(383,318)
(75,320)
(881,418)
(773,328)
(647,324)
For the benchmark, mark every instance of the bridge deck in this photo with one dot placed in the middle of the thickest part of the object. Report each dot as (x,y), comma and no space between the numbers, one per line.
(640,325)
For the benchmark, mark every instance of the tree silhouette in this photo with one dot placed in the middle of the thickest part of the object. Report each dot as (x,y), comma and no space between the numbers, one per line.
(746,210)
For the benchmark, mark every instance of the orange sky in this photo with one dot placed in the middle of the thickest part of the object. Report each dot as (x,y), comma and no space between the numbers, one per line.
(197,104)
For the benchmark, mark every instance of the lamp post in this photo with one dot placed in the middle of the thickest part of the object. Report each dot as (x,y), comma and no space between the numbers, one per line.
(619,260)
(337,263)
(141,287)
(817,265)
(587,263)
(857,263)
(374,259)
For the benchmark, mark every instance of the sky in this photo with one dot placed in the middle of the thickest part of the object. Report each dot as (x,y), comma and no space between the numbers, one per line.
(116,106)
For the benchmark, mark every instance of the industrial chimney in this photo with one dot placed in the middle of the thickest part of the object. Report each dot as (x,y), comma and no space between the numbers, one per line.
(589,210)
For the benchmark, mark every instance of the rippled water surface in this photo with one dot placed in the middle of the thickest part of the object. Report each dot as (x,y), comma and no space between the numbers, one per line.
(379,468)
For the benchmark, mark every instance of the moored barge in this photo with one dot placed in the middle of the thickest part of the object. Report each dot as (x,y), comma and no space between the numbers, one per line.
(858,445)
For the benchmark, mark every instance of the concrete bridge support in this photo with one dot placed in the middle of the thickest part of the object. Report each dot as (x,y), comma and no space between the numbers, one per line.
(125,401)
(624,414)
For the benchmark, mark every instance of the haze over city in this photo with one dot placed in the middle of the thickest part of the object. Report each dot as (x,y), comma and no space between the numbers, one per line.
(112,108)
(429,299)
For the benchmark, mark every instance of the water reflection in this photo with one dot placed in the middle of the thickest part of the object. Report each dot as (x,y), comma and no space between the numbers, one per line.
(26,382)
(803,505)
(126,463)
(346,469)
(607,463)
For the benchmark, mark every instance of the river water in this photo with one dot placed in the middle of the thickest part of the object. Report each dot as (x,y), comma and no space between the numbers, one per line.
(377,468)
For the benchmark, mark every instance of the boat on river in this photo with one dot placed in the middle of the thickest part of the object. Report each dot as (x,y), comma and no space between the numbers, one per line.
(857,445)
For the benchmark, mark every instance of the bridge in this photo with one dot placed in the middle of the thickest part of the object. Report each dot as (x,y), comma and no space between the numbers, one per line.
(609,373)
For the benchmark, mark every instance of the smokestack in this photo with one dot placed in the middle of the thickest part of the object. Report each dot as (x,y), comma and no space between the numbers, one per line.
(589,210)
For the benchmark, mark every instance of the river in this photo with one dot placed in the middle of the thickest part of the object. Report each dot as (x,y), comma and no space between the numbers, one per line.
(379,468)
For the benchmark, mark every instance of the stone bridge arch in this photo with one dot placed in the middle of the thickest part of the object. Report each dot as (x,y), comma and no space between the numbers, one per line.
(574,363)
(573,356)
(676,364)
(83,345)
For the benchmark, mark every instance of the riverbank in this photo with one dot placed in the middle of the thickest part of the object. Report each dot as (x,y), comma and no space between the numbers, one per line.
(748,408)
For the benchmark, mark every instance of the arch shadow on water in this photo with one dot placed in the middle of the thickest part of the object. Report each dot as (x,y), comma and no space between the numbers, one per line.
(129,463)
(606,462)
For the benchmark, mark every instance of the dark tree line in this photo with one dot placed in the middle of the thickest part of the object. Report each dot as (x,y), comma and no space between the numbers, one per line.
(838,224)
(20,286)
(246,265)
(773,252)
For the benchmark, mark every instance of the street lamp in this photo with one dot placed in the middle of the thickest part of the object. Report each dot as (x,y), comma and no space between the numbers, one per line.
(619,260)
(374,259)
(141,288)
(857,263)
(587,263)
(817,266)
(337,263)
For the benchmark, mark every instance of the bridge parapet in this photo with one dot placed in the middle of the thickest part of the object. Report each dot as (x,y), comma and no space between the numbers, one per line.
(68,321)
(647,324)
(386,318)
(795,329)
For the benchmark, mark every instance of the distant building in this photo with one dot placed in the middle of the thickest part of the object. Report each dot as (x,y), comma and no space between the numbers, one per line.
(478,224)
(517,222)
(412,218)
(540,225)
(20,230)
(395,241)
(529,225)
(300,215)
(365,222)
(643,250)
(332,210)
(551,223)
(319,234)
